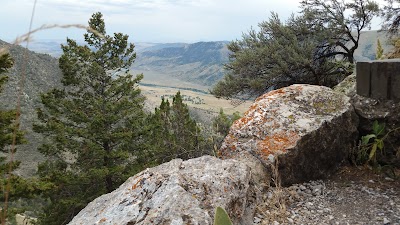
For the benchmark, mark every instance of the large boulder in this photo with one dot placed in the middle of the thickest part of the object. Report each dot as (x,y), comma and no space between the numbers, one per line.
(177,192)
(309,130)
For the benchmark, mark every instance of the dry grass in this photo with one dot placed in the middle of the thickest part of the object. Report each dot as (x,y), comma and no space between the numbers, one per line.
(211,103)
(274,205)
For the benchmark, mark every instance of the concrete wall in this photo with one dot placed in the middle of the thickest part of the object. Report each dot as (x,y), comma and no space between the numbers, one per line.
(379,79)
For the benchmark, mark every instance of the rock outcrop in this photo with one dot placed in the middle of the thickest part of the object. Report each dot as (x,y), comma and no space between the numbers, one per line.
(308,129)
(177,192)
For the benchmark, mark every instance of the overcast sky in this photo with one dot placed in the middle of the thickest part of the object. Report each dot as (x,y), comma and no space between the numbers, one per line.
(144,20)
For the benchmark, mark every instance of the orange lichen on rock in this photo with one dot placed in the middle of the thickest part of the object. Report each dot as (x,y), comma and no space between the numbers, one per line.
(243,120)
(137,184)
(274,92)
(280,141)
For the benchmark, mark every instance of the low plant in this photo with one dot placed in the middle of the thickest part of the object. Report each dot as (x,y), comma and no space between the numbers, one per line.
(221,217)
(373,145)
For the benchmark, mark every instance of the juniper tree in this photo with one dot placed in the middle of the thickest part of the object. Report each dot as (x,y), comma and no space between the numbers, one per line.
(278,55)
(391,16)
(341,23)
(90,123)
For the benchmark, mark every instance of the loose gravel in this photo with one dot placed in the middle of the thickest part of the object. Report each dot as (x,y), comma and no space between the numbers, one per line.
(336,202)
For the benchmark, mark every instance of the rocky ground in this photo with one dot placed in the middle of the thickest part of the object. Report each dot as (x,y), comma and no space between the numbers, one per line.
(351,196)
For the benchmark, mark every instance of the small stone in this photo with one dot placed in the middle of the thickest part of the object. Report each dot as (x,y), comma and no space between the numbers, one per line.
(386,221)
(275,223)
(389,179)
(371,181)
(331,217)
(302,187)
(317,192)
(256,220)
(309,204)
(290,220)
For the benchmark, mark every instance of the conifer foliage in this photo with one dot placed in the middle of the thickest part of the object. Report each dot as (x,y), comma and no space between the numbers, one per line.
(315,47)
(17,186)
(278,55)
(90,123)
(174,133)
(7,117)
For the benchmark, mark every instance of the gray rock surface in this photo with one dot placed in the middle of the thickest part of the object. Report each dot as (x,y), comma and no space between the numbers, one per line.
(347,86)
(309,129)
(177,192)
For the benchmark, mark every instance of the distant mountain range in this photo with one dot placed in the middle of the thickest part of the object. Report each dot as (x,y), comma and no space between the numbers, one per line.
(198,65)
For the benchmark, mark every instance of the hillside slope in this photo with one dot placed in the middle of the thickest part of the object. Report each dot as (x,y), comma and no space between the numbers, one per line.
(199,63)
(41,74)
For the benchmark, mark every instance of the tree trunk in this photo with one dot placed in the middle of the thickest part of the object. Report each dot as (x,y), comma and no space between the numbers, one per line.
(107,162)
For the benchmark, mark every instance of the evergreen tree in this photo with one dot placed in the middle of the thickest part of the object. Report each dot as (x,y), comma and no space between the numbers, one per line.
(278,55)
(221,126)
(379,50)
(391,17)
(7,117)
(175,134)
(222,123)
(90,125)
(18,187)
(341,22)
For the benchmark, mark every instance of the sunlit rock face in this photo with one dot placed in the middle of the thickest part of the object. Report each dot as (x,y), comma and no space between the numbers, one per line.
(178,192)
(308,130)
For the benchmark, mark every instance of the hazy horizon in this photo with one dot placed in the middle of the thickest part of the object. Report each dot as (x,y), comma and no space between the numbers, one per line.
(152,21)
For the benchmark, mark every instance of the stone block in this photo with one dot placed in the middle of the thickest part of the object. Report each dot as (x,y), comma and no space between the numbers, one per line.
(363,78)
(380,77)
